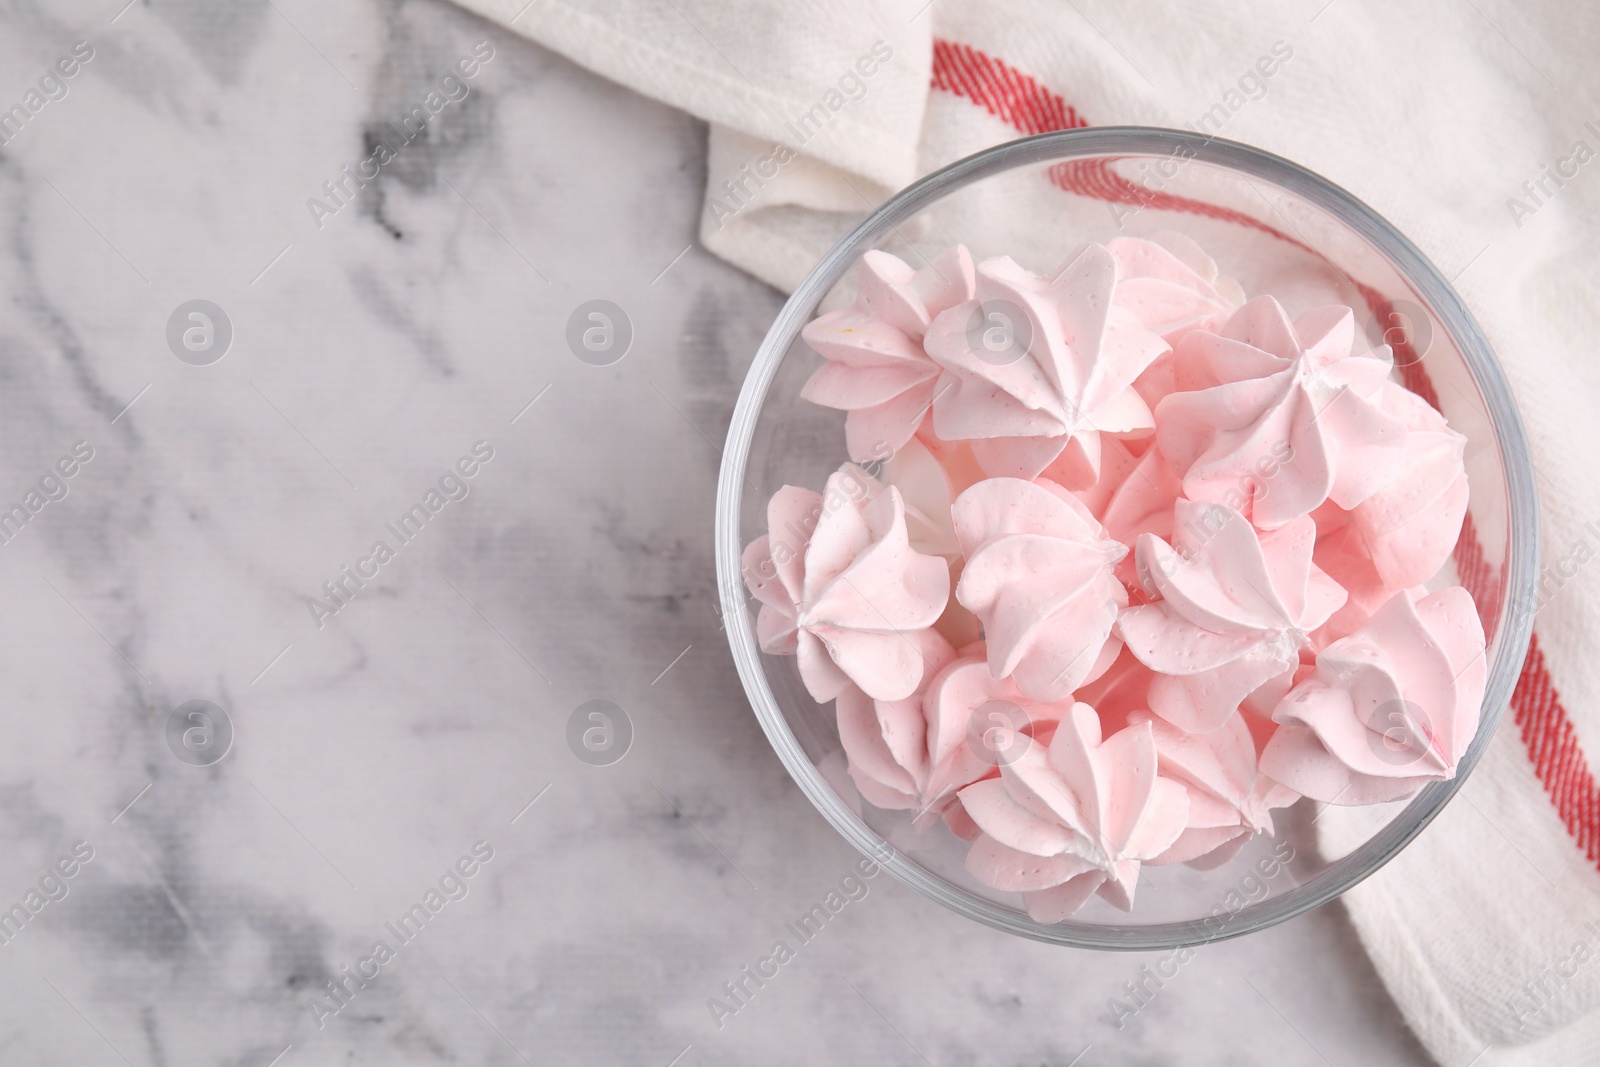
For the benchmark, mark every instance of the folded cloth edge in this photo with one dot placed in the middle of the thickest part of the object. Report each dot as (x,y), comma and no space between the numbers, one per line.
(888,158)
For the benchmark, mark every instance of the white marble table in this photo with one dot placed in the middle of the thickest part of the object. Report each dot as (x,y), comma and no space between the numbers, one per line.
(375,747)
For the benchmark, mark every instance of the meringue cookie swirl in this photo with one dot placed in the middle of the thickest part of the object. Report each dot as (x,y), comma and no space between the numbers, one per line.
(840,586)
(1268,394)
(1389,708)
(1061,824)
(1230,801)
(1039,577)
(1402,534)
(916,754)
(1073,382)
(1235,610)
(1171,285)
(876,368)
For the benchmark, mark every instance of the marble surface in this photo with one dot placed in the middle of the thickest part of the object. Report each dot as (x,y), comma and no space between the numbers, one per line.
(375,747)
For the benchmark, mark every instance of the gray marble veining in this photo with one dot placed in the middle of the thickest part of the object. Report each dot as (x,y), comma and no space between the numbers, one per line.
(416,726)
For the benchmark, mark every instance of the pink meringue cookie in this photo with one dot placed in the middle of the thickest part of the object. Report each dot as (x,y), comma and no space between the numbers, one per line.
(1061,824)
(1403,534)
(1172,285)
(1389,708)
(1236,607)
(916,754)
(840,586)
(1073,382)
(876,368)
(1039,577)
(1230,801)
(1273,417)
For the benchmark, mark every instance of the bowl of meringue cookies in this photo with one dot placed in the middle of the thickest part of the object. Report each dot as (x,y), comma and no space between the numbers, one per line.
(1126,538)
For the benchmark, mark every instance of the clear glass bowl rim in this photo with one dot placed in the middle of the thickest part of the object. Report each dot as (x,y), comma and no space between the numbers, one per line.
(1521,568)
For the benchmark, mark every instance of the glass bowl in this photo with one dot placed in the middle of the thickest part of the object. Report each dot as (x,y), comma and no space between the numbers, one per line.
(1286,231)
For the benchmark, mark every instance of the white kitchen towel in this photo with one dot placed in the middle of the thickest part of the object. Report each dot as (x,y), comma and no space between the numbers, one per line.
(1471,124)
